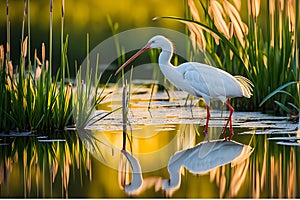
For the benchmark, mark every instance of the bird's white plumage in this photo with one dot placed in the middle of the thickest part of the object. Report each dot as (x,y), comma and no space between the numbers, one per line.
(199,79)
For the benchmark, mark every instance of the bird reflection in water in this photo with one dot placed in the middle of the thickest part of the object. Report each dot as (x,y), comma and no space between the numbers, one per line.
(138,184)
(200,159)
(203,158)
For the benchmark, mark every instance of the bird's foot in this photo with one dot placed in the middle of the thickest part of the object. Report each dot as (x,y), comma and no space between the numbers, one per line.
(224,134)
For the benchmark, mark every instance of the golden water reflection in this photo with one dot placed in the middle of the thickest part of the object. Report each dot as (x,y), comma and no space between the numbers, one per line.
(39,167)
(87,165)
(270,171)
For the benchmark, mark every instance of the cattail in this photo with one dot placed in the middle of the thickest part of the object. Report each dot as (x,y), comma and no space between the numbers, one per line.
(51,6)
(281,4)
(216,12)
(24,47)
(272,11)
(1,57)
(7,48)
(62,8)
(255,8)
(43,53)
(46,66)
(6,7)
(291,16)
(272,7)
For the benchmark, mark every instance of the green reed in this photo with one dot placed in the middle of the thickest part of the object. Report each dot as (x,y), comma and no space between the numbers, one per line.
(265,53)
(32,98)
(89,93)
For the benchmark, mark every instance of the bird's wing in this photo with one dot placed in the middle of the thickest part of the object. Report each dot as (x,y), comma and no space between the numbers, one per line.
(207,81)
(196,81)
(211,81)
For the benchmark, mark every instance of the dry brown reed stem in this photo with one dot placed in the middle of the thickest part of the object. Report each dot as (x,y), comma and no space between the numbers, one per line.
(24,47)
(43,52)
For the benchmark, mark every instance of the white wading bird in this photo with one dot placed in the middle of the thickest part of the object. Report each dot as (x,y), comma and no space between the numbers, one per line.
(198,79)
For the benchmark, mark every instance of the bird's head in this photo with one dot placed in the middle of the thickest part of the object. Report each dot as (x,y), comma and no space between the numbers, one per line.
(157,41)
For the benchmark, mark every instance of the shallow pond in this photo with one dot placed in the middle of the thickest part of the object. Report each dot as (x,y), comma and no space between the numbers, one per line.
(167,155)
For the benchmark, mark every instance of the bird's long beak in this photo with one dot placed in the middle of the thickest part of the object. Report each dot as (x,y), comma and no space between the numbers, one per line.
(133,57)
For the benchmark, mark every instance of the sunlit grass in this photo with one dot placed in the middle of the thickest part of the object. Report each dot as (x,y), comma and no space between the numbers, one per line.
(35,99)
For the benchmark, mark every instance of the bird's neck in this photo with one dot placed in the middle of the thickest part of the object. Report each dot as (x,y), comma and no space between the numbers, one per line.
(165,57)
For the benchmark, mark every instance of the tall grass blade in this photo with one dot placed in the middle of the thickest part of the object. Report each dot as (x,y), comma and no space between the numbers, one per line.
(276,91)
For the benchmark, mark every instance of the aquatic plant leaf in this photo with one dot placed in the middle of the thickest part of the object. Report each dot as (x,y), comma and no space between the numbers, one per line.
(276,91)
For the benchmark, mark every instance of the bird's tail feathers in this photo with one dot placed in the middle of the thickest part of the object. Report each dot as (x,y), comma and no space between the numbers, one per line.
(246,85)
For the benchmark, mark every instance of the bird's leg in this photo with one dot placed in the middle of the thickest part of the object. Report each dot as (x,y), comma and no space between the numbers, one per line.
(231,109)
(207,120)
